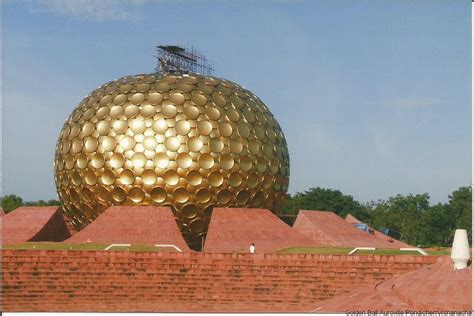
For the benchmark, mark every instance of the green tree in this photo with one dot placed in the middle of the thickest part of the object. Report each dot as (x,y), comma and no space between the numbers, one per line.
(438,223)
(460,208)
(11,202)
(320,199)
(404,214)
(51,202)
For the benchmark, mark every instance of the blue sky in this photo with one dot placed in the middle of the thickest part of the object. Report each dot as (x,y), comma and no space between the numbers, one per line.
(373,96)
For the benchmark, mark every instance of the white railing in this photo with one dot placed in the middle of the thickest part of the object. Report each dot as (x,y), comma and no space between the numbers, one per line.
(172,246)
(117,245)
(360,248)
(129,245)
(424,253)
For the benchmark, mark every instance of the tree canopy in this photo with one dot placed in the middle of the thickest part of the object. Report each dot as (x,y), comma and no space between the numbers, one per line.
(319,199)
(418,222)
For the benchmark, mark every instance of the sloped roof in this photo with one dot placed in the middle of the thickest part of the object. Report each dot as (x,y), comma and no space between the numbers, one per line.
(133,225)
(353,220)
(327,229)
(35,223)
(234,229)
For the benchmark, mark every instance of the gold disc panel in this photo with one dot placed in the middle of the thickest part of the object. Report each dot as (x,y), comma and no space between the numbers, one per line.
(191,142)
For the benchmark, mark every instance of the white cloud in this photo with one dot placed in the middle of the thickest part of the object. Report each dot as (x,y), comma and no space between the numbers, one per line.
(96,10)
(415,102)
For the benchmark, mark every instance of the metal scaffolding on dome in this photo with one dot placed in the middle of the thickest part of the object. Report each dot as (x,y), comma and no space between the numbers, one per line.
(179,59)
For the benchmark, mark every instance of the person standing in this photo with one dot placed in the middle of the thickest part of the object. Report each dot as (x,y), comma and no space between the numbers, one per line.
(252,248)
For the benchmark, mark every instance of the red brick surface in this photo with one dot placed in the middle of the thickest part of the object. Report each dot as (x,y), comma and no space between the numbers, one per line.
(328,229)
(432,288)
(235,229)
(33,224)
(353,220)
(133,225)
(69,225)
(187,282)
(438,287)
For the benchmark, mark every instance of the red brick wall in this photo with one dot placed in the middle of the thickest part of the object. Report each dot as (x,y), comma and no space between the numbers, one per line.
(127,281)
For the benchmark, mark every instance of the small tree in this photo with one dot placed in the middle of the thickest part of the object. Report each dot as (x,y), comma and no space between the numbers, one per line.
(11,202)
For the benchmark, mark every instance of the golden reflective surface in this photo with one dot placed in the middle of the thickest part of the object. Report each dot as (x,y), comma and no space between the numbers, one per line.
(186,141)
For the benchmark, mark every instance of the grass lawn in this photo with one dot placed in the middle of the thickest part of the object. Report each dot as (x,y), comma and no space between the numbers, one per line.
(86,246)
(150,248)
(343,251)
(441,252)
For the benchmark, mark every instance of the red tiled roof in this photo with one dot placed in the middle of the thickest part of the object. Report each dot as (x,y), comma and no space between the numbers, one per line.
(328,229)
(133,225)
(234,229)
(34,223)
(400,244)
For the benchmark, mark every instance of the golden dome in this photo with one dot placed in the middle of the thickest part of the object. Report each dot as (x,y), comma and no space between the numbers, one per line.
(190,142)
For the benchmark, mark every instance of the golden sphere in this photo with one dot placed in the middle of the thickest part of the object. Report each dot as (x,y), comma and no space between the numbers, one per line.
(190,142)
